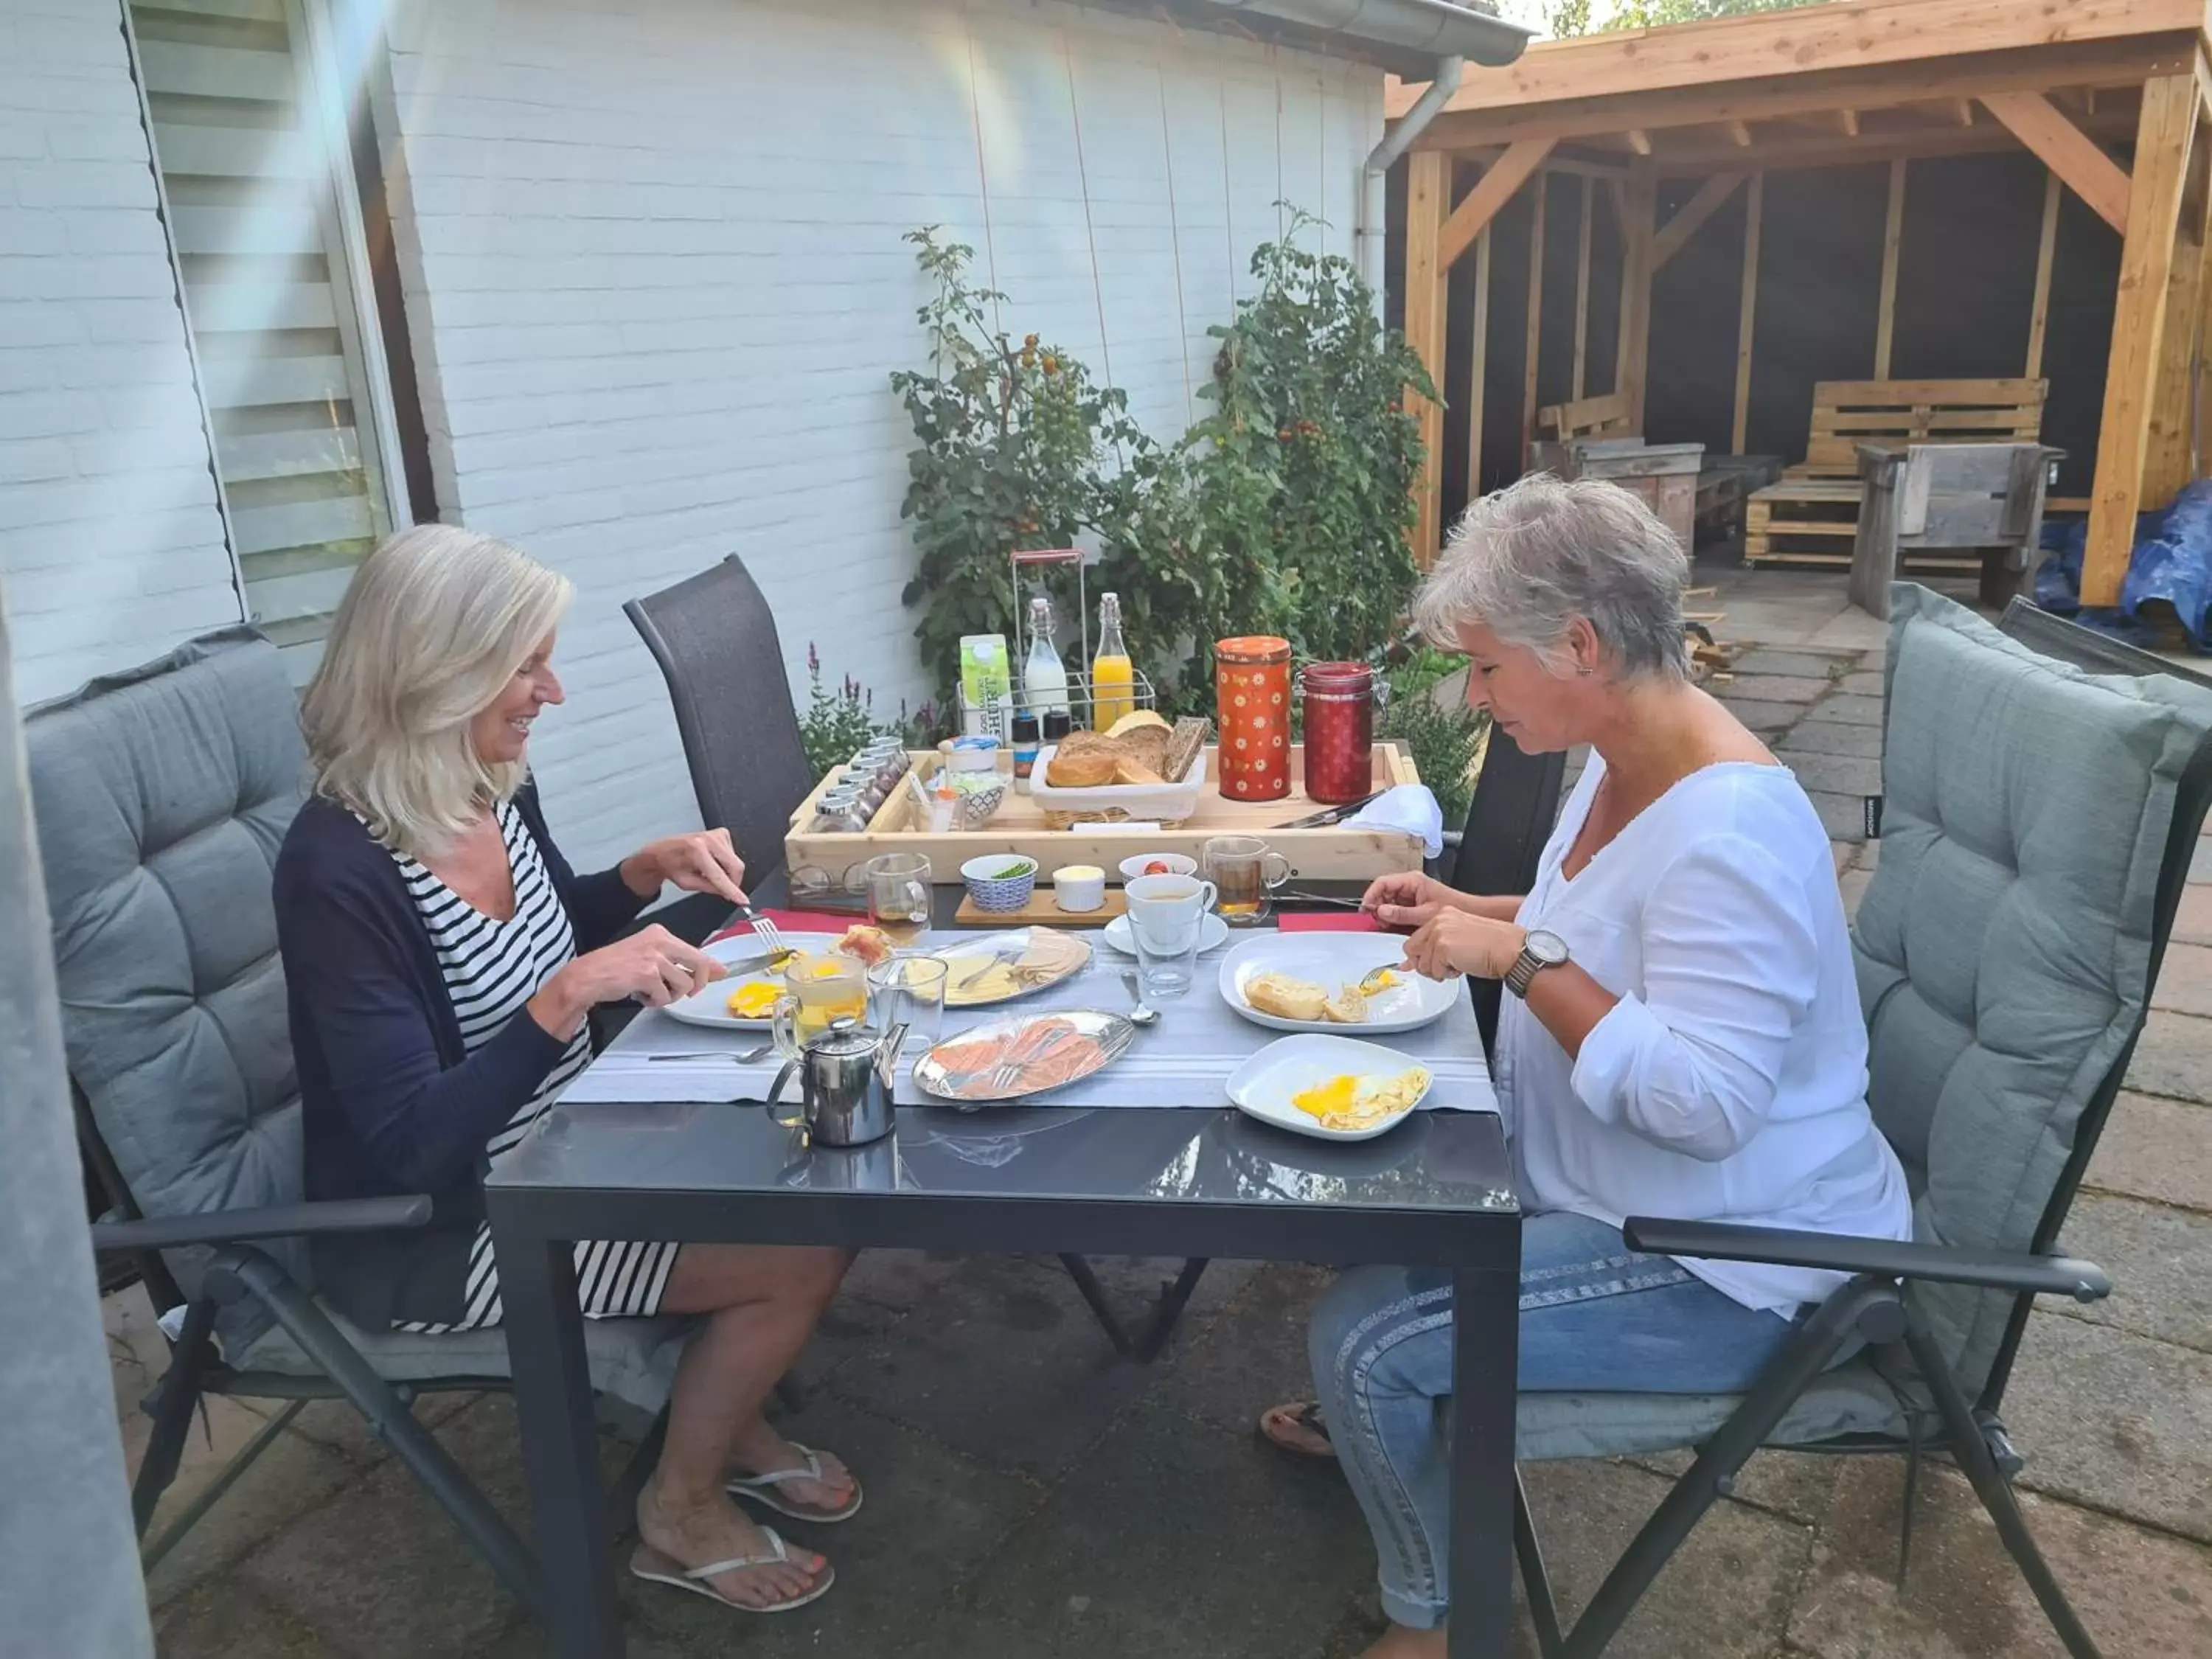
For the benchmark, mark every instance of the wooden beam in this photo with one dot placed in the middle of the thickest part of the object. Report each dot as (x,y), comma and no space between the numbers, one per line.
(2046,252)
(1892,235)
(2170,454)
(2164,134)
(1639,141)
(1632,360)
(1754,210)
(1739,134)
(1812,149)
(1483,203)
(2066,151)
(1478,366)
(1535,322)
(1428,195)
(1900,37)
(1581,296)
(1668,241)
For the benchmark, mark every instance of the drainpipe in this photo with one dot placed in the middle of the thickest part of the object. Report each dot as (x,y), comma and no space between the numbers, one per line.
(1368,229)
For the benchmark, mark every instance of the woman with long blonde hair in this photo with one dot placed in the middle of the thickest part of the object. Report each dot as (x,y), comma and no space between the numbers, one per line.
(441,959)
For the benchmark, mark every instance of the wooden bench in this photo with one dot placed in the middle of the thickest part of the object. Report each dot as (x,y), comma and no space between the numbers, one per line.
(1812,516)
(1612,416)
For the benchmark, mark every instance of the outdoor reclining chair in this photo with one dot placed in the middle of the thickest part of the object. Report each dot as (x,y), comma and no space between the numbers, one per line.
(2039,823)
(161,796)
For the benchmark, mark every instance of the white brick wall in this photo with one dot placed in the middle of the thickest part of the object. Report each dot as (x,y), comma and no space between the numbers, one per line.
(112,549)
(656,288)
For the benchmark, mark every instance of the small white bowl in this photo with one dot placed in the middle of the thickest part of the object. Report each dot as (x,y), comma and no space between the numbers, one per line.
(1178,864)
(1078,888)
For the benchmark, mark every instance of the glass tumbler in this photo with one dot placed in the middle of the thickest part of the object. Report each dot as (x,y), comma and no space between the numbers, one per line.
(912,989)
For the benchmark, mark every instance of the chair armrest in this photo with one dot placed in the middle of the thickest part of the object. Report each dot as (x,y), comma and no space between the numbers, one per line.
(342,1215)
(1999,1270)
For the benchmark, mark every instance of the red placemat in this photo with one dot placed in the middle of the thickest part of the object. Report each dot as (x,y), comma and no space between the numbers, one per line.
(791,922)
(1328,921)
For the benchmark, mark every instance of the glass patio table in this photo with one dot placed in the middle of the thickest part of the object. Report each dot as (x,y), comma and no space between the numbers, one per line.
(1137,1180)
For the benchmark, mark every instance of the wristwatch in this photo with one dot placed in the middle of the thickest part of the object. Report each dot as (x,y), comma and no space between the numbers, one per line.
(1539,950)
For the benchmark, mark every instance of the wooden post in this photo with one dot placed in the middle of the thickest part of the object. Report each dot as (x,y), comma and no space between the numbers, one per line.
(1477,368)
(2169,456)
(1428,198)
(2164,132)
(1641,200)
(1535,320)
(2046,254)
(1885,327)
(1581,296)
(1754,209)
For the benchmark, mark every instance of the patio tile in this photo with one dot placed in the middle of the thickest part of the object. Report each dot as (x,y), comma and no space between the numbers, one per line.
(2156,1257)
(1779,687)
(293,1478)
(1727,1592)
(1799,1485)
(1819,666)
(1864,683)
(1172,1539)
(226,1621)
(1850,711)
(932,1520)
(2119,1422)
(2140,1594)
(1851,628)
(1254,1355)
(2200,861)
(1764,718)
(2156,1149)
(1840,774)
(2185,979)
(1843,816)
(2192,920)
(338,1568)
(1134,1283)
(336,1425)
(899,1280)
(1815,735)
(1004,1364)
(2174,1057)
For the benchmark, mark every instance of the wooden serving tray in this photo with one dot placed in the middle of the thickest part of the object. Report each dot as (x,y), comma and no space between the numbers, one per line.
(1041,912)
(1334,852)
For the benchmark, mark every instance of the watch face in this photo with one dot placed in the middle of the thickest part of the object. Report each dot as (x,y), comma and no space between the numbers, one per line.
(1549,949)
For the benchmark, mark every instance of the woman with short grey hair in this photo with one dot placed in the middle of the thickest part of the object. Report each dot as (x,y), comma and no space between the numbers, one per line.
(441,959)
(1684,1036)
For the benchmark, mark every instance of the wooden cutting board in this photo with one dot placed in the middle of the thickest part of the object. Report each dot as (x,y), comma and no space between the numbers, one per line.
(1041,912)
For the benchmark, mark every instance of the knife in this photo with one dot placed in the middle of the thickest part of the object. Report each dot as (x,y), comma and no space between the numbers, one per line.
(1334,815)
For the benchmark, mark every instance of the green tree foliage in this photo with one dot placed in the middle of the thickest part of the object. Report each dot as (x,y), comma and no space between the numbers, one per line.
(1564,18)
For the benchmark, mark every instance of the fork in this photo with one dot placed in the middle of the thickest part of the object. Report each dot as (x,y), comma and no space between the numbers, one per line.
(765,930)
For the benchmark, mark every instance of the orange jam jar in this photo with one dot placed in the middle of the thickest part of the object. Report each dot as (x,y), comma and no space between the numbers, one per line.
(1252,694)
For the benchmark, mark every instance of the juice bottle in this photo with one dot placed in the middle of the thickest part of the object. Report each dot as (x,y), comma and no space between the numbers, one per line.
(1113,680)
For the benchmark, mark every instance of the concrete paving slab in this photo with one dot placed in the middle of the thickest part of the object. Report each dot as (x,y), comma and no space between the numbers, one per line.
(2119,1422)
(1850,628)
(2185,979)
(1838,775)
(338,1570)
(1176,1540)
(1781,688)
(2200,862)
(1765,719)
(337,1425)
(1727,1591)
(1864,683)
(225,1619)
(2139,1593)
(1815,735)
(290,1480)
(2156,1255)
(1253,1355)
(899,1281)
(1820,666)
(1134,1284)
(1849,710)
(1798,1485)
(1843,816)
(1004,1364)
(2174,1057)
(2192,919)
(2156,1149)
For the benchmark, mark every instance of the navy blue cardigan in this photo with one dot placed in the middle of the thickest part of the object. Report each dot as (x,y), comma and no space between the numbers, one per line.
(391,1102)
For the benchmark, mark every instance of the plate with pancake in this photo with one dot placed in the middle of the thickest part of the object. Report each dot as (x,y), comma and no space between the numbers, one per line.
(1310,982)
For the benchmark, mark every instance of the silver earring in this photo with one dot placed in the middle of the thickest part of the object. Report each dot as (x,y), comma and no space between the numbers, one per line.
(1582,671)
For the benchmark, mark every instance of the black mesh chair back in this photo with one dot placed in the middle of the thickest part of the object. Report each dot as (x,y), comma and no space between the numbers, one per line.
(716,643)
(1517,801)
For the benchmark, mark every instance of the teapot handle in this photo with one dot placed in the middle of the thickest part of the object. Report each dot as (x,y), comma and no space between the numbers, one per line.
(775,1091)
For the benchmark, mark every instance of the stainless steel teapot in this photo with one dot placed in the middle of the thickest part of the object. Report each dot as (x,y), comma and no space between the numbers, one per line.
(846,1074)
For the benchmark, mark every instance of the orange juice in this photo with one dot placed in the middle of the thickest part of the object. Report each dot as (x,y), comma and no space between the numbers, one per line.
(1113,677)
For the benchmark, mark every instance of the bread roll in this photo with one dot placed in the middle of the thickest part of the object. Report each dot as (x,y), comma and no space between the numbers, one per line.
(1286,998)
(1133,772)
(1137,721)
(1083,769)
(1345,1007)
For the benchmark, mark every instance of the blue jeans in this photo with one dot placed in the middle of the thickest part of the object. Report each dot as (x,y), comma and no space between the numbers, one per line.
(1596,1317)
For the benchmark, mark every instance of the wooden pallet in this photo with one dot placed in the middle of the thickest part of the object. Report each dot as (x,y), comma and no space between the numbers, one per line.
(1848,413)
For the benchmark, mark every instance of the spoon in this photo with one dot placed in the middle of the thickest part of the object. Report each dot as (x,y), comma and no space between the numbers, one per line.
(1139,1016)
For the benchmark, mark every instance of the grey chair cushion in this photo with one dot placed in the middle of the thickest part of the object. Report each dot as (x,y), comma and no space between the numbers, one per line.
(161,796)
(2003,948)
(632,1359)
(1852,1399)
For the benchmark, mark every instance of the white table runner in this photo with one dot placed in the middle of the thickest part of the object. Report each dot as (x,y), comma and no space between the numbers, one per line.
(1185,1061)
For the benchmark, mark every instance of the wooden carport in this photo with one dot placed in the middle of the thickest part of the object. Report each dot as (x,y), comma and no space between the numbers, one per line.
(1639,113)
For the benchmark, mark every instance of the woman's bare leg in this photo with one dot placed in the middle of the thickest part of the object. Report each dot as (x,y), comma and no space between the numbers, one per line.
(762,1304)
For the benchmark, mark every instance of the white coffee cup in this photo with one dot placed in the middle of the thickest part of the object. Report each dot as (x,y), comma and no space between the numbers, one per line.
(1166,912)
(1078,888)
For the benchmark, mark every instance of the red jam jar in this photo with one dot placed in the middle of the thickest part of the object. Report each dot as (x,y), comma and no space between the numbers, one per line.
(1340,701)
(1252,694)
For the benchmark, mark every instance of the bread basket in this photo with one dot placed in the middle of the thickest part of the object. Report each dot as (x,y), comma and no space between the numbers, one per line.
(1164,804)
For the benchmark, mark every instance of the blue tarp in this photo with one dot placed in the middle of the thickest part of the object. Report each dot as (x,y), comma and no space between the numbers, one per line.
(2171,569)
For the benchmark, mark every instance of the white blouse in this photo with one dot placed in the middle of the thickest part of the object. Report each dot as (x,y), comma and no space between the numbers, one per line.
(1730,1082)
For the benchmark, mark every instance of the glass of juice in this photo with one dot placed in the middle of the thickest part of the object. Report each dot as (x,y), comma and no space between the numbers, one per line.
(822,990)
(898,896)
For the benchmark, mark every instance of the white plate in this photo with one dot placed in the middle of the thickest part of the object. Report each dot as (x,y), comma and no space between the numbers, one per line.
(1262,1086)
(1210,937)
(710,1008)
(960,957)
(1334,959)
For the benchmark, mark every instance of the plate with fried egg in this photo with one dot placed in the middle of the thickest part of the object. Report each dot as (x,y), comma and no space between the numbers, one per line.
(1311,982)
(744,1001)
(1332,1088)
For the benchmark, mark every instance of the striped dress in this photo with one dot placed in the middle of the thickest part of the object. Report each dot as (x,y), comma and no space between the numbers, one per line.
(492,969)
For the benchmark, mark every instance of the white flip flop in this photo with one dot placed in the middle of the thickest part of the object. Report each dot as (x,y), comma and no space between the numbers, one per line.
(761,1489)
(650,1563)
